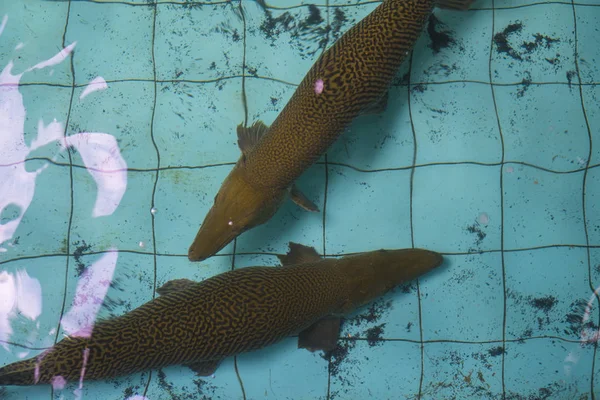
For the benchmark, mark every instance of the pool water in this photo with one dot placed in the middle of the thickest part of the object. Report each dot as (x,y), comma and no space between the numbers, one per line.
(117,127)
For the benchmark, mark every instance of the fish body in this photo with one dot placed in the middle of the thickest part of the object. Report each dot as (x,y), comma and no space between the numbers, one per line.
(198,324)
(349,79)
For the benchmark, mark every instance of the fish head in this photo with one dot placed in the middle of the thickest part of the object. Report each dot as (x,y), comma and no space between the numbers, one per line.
(373,274)
(238,207)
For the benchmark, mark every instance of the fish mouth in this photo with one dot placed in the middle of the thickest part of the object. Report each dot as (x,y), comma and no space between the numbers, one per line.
(203,247)
(212,237)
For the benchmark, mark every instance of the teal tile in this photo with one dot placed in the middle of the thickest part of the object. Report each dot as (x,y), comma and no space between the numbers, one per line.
(178,217)
(42,105)
(355,197)
(126,41)
(445,127)
(42,205)
(34,326)
(557,122)
(169,268)
(378,141)
(130,278)
(461,371)
(297,35)
(283,371)
(123,111)
(361,371)
(179,382)
(533,44)
(550,306)
(465,55)
(266,98)
(588,19)
(473,285)
(216,49)
(113,210)
(195,123)
(592,206)
(456,208)
(591,97)
(548,367)
(35,41)
(541,208)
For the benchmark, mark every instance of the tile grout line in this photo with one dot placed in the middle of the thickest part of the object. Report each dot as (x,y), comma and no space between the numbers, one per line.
(153,199)
(72,196)
(404,340)
(412,230)
(272,79)
(245,104)
(583,192)
(465,253)
(340,164)
(493,92)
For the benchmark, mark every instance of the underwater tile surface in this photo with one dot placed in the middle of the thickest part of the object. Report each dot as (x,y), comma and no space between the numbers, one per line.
(535,45)
(448,129)
(104,185)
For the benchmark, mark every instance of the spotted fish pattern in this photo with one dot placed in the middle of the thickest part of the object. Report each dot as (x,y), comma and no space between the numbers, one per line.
(350,78)
(234,312)
(356,71)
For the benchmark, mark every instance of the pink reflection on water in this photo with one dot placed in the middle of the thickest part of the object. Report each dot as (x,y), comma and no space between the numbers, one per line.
(89,295)
(101,156)
(18,292)
(58,382)
(97,83)
(100,151)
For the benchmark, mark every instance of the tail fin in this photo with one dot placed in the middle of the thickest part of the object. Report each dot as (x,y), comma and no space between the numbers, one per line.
(20,373)
(455,4)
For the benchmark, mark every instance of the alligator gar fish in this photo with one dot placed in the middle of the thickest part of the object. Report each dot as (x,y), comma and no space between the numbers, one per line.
(198,324)
(349,79)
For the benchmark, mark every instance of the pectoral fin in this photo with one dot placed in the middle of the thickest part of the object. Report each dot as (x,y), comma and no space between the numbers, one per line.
(174,286)
(322,335)
(249,137)
(204,368)
(300,199)
(299,254)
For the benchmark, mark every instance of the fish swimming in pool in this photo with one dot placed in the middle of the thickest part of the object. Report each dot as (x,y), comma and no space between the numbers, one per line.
(198,324)
(350,78)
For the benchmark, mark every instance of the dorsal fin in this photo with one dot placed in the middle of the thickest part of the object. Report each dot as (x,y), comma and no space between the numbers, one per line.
(299,254)
(249,137)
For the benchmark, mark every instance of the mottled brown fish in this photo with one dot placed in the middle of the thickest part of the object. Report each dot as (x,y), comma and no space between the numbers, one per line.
(198,324)
(350,78)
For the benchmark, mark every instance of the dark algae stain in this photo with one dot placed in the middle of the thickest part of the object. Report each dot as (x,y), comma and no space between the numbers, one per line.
(496,351)
(204,390)
(518,52)
(78,253)
(501,40)
(440,38)
(374,335)
(305,30)
(544,304)
(478,232)
(337,356)
(570,75)
(373,314)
